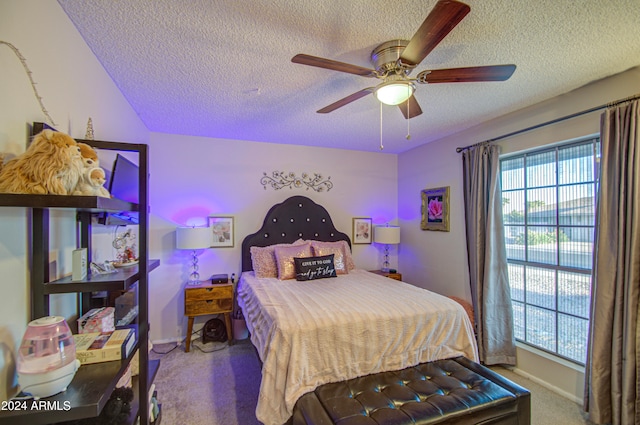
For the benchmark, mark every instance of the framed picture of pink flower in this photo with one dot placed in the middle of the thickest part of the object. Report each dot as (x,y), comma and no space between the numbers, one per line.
(361,230)
(435,209)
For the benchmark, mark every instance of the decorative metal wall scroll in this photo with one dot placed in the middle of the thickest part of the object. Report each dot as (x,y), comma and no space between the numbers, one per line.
(280,179)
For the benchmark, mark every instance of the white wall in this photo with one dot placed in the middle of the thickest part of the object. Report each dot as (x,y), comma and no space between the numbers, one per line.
(434,260)
(438,261)
(74,87)
(194,177)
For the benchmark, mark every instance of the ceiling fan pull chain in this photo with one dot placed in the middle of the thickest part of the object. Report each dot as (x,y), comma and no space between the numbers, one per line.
(381,146)
(408,137)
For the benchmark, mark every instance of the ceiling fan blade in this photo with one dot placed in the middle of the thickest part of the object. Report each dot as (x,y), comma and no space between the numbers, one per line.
(443,18)
(333,65)
(351,98)
(467,75)
(410,108)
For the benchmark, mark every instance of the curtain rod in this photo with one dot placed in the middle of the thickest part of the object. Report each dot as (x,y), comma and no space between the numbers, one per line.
(544,124)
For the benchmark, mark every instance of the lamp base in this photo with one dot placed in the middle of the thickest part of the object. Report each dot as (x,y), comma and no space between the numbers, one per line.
(385,263)
(194,277)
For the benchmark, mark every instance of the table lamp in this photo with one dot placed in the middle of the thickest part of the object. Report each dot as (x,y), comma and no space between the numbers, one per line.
(387,235)
(194,238)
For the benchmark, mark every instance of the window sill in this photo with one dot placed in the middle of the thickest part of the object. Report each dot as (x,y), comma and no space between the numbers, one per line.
(554,373)
(551,357)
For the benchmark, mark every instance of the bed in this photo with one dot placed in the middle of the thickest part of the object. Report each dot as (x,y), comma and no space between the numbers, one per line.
(308,333)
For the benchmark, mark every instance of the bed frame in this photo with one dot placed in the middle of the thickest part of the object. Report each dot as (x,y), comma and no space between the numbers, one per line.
(300,217)
(296,217)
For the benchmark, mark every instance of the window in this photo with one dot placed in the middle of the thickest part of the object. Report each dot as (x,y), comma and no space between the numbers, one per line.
(549,205)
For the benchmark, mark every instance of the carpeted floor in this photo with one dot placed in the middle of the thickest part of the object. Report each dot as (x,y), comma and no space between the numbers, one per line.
(547,407)
(221,387)
(216,388)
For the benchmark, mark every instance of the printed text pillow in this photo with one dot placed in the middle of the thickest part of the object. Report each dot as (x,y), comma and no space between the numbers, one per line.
(311,268)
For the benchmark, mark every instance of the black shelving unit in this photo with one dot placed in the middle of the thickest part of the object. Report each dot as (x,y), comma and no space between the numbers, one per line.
(93,384)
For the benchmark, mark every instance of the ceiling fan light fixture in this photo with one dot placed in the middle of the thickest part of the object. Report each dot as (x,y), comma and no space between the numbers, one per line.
(395,92)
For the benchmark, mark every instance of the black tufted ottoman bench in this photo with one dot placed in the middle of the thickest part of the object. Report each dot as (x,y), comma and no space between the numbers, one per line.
(451,391)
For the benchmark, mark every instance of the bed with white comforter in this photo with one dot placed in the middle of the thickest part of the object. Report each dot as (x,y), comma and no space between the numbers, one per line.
(328,330)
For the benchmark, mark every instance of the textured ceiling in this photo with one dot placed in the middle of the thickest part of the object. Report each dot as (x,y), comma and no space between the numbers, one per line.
(222,68)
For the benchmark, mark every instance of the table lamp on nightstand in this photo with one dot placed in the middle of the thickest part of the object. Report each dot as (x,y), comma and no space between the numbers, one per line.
(194,238)
(387,235)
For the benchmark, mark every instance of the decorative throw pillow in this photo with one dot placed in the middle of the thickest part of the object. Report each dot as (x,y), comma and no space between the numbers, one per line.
(263,259)
(285,256)
(341,251)
(347,254)
(314,267)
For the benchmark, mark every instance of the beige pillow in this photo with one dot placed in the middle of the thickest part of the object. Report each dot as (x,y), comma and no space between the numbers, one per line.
(342,254)
(263,259)
(285,256)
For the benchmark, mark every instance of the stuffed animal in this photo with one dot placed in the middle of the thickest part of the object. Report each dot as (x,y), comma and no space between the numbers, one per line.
(116,410)
(51,165)
(92,183)
(89,156)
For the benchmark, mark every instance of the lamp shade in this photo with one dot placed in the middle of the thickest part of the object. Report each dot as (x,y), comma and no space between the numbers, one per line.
(389,235)
(193,237)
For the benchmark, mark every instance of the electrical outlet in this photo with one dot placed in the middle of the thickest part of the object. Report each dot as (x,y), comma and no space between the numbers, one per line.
(178,331)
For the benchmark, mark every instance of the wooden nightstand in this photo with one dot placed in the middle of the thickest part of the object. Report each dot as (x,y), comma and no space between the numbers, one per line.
(396,276)
(203,299)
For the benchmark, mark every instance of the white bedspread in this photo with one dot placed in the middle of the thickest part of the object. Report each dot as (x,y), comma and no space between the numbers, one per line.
(328,330)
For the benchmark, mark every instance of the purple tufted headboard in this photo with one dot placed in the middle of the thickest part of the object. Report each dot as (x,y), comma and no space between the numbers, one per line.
(297,217)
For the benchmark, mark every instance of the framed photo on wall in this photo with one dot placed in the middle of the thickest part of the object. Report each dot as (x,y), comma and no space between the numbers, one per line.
(362,230)
(435,209)
(222,228)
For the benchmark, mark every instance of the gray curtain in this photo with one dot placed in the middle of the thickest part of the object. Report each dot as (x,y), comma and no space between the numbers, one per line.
(612,387)
(487,256)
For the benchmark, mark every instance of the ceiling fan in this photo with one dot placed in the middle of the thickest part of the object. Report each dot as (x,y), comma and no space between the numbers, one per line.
(394,60)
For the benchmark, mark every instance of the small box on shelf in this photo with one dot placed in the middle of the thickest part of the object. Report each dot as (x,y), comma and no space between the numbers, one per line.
(97,320)
(126,302)
(79,264)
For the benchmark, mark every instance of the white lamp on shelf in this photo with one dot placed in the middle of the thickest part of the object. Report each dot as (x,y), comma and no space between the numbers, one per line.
(387,235)
(194,238)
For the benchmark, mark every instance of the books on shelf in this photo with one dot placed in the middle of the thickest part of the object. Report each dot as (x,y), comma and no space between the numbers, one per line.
(99,347)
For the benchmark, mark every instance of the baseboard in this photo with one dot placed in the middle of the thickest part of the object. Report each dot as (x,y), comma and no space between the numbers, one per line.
(547,385)
(177,339)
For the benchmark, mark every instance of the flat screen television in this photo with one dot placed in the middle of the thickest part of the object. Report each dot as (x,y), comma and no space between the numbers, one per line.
(123,184)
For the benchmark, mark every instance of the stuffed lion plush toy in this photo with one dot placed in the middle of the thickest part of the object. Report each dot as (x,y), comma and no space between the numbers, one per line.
(52,164)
